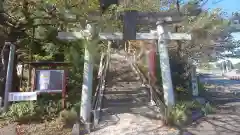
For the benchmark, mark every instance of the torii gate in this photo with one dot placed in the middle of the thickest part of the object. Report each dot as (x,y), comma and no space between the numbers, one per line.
(131,18)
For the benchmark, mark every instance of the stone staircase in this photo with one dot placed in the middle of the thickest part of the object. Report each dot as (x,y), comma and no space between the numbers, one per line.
(126,109)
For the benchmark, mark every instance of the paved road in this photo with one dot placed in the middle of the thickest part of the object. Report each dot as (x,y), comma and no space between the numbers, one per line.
(225,94)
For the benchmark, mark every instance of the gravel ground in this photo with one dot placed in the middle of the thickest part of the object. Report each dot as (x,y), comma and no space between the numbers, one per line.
(46,128)
(126,109)
(8,130)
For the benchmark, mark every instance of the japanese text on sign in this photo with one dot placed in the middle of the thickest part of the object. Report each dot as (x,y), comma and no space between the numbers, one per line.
(22,96)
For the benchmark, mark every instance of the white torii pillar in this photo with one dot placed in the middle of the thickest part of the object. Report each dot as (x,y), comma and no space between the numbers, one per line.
(165,66)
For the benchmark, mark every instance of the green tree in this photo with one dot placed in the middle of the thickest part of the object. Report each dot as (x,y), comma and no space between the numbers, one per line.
(33,26)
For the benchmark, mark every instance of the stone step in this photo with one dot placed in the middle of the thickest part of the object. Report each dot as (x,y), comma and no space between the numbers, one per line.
(133,91)
(124,100)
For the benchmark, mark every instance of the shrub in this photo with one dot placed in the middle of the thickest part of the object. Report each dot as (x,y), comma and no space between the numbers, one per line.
(46,107)
(68,117)
(22,111)
(193,105)
(208,109)
(179,71)
(49,106)
(201,88)
(178,115)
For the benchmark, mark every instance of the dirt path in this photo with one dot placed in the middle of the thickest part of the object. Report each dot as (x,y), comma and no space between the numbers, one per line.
(8,130)
(225,95)
(47,128)
(126,109)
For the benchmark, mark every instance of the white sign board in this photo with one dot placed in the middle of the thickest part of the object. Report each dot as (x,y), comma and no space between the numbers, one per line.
(22,96)
(44,80)
(49,81)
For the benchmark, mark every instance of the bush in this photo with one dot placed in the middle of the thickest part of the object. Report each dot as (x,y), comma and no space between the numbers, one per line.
(49,106)
(208,109)
(22,111)
(179,71)
(193,105)
(76,107)
(180,113)
(46,107)
(68,117)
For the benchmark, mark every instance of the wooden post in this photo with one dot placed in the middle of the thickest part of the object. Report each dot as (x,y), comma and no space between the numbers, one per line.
(8,84)
(194,82)
(64,90)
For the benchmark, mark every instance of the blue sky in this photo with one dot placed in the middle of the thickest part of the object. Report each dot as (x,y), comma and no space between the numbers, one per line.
(227,6)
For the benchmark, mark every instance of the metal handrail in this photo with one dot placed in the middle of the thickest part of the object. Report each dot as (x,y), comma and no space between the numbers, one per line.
(97,102)
(100,73)
(154,94)
(98,94)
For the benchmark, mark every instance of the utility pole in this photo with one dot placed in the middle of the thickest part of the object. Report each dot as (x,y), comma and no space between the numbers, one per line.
(8,84)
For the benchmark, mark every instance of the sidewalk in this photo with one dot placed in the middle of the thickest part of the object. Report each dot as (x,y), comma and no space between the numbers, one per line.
(226,120)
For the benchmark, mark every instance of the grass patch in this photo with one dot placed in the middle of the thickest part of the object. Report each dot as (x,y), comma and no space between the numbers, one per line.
(181,113)
(43,112)
(208,109)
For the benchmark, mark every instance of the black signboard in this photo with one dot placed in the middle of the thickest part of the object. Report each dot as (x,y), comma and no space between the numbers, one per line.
(129,25)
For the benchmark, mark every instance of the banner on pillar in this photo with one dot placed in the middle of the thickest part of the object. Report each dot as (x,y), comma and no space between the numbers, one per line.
(152,63)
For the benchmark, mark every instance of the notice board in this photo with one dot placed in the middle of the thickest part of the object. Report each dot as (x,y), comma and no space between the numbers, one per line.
(49,80)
